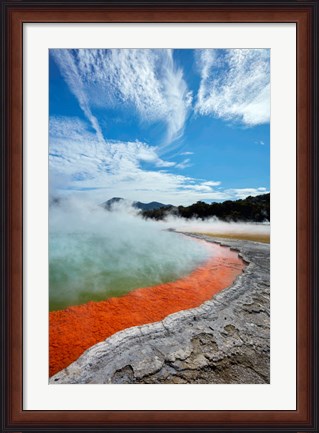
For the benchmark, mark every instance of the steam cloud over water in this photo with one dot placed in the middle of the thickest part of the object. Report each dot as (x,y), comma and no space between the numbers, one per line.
(95,254)
(215,226)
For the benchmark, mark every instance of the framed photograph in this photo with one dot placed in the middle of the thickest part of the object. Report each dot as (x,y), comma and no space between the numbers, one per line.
(159,216)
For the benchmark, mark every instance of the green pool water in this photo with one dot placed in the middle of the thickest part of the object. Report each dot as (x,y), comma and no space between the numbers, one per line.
(92,267)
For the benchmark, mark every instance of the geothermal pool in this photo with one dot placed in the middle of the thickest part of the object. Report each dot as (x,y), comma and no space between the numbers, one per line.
(75,329)
(89,266)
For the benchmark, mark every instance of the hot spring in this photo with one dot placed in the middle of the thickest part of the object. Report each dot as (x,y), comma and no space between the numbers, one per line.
(95,254)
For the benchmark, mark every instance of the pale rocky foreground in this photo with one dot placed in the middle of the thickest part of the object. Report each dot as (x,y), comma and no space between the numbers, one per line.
(225,340)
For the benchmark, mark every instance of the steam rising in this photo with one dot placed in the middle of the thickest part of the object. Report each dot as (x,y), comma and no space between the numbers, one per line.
(217,227)
(95,254)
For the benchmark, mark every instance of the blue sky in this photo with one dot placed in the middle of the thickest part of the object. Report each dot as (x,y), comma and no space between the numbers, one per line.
(174,126)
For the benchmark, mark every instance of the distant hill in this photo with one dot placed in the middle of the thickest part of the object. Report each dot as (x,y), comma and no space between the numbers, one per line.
(109,203)
(150,206)
(137,204)
(255,209)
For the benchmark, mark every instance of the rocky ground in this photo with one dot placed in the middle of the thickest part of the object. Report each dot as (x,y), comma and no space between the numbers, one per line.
(225,340)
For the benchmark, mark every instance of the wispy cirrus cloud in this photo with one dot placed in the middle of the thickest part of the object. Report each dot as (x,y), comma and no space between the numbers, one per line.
(114,168)
(73,78)
(184,164)
(149,86)
(73,148)
(235,85)
(187,153)
(146,80)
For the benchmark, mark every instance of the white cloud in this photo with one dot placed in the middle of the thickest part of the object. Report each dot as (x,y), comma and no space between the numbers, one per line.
(200,188)
(211,183)
(147,80)
(149,83)
(80,162)
(235,85)
(238,193)
(72,76)
(184,164)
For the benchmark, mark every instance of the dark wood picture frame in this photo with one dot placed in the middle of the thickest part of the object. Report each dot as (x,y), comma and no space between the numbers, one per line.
(14,14)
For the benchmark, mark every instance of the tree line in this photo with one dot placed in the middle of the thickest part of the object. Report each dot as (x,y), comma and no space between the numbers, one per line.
(256,209)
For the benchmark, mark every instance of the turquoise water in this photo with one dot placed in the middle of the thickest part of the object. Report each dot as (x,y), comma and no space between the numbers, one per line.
(86,266)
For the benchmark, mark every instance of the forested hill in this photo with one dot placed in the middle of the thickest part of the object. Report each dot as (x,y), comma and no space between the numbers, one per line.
(255,209)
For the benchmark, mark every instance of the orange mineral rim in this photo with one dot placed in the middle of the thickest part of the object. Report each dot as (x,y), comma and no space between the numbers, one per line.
(75,329)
